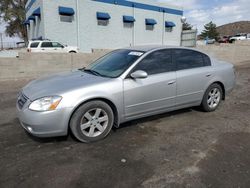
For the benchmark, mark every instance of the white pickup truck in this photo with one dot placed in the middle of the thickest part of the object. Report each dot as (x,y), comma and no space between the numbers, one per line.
(239,37)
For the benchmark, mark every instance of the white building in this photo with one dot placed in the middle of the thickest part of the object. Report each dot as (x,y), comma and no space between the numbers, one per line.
(104,24)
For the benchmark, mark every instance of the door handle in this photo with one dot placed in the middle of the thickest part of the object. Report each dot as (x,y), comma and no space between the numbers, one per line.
(208,74)
(171,82)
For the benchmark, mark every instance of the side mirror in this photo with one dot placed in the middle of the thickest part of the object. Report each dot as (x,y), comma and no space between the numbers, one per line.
(139,74)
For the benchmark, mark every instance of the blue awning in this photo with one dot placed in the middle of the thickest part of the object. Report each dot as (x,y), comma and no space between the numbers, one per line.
(128,19)
(37,12)
(26,22)
(102,16)
(32,18)
(67,11)
(170,24)
(150,22)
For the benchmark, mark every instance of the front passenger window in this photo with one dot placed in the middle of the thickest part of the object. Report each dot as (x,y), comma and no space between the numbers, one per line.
(156,62)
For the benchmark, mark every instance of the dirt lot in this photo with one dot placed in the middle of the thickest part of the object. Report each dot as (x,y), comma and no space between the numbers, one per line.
(186,148)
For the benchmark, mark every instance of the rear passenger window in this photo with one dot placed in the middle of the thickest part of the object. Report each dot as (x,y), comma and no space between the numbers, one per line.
(34,44)
(47,45)
(187,59)
(157,62)
(56,45)
(207,61)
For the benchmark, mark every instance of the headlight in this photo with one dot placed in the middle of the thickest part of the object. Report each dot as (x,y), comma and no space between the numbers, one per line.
(45,103)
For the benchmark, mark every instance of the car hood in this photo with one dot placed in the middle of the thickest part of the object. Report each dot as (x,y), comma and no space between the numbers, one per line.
(60,83)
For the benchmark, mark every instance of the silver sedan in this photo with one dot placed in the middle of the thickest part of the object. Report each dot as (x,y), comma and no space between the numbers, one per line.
(123,85)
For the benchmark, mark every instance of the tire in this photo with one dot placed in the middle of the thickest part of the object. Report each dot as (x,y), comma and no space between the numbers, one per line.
(92,121)
(212,98)
(72,52)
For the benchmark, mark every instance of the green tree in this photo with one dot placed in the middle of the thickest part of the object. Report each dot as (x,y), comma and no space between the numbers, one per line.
(186,26)
(12,12)
(209,31)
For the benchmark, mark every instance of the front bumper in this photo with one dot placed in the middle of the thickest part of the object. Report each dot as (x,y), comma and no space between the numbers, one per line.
(44,124)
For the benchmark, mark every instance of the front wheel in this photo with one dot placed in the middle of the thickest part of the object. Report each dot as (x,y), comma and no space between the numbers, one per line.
(212,98)
(92,121)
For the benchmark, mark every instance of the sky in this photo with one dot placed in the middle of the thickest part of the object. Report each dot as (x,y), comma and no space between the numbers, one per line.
(200,12)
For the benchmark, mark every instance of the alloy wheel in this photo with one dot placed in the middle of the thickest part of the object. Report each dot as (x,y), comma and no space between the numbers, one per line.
(94,122)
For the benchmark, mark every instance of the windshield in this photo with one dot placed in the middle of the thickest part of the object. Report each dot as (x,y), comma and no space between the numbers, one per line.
(114,64)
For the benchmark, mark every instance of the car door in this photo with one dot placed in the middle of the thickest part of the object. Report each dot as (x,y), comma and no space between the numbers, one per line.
(156,92)
(47,47)
(193,73)
(57,47)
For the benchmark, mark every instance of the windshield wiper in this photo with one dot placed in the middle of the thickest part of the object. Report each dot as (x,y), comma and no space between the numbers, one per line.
(92,72)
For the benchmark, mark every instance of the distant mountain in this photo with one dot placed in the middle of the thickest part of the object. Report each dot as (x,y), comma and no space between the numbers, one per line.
(234,28)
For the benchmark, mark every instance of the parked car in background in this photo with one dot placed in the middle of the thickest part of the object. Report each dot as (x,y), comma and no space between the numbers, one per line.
(50,46)
(123,85)
(224,39)
(210,41)
(241,36)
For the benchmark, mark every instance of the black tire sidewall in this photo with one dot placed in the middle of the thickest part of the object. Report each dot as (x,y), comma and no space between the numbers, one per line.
(204,100)
(76,119)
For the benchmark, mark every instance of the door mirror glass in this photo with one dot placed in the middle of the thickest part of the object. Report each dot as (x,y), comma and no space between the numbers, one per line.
(139,74)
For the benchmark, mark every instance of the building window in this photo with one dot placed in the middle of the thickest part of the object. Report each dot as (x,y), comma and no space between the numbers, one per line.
(150,27)
(103,22)
(150,24)
(168,29)
(64,18)
(128,25)
(169,26)
(102,18)
(66,14)
(128,21)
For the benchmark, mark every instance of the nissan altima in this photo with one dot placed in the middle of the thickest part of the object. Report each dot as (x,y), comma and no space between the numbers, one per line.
(123,85)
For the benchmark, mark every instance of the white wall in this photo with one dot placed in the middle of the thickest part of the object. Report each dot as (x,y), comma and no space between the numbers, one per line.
(173,38)
(39,24)
(148,37)
(95,36)
(64,32)
(114,35)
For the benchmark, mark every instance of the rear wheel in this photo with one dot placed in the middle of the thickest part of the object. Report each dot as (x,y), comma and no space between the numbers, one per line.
(92,121)
(212,98)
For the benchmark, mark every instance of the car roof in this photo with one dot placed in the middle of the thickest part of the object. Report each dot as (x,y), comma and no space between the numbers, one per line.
(148,48)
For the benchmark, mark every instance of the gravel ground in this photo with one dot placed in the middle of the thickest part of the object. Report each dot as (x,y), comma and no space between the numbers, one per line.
(185,148)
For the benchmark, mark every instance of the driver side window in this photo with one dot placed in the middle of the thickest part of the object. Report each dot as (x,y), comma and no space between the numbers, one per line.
(156,62)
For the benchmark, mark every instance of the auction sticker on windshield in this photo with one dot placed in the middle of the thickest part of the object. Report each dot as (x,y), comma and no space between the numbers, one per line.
(135,53)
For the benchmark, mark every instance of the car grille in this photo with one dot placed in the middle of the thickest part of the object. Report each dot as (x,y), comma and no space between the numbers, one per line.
(22,99)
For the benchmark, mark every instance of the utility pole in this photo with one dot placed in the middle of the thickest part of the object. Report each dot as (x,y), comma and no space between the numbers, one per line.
(1,38)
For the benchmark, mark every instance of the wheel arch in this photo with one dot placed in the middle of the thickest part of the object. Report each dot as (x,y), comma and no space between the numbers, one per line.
(109,102)
(222,87)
